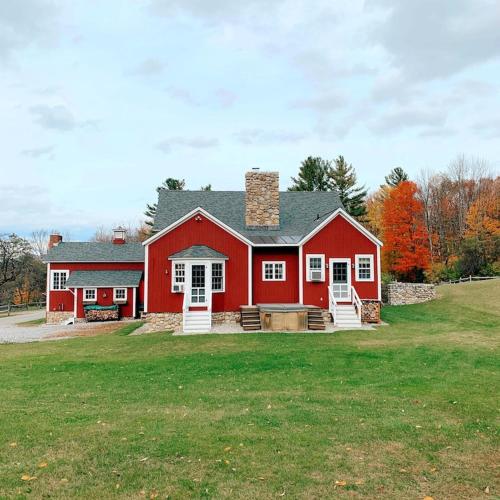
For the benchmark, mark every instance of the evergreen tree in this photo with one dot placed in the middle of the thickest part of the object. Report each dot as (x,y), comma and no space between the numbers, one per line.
(208,187)
(169,184)
(396,176)
(343,180)
(313,175)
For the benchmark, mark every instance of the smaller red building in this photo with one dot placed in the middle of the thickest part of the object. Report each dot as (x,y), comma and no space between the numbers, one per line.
(216,254)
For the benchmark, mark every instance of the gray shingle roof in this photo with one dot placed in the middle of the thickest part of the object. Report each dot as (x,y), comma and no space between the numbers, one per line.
(104,278)
(95,252)
(198,252)
(298,212)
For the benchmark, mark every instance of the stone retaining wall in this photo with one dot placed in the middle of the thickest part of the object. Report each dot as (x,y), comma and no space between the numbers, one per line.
(58,317)
(397,294)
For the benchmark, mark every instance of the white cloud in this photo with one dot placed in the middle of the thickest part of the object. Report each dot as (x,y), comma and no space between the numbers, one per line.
(39,152)
(56,117)
(266,137)
(148,67)
(167,145)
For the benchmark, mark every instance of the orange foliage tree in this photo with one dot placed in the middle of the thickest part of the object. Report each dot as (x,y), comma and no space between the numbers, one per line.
(406,250)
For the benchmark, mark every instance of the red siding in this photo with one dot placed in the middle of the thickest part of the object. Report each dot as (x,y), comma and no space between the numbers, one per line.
(197,232)
(273,292)
(64,300)
(105,298)
(339,239)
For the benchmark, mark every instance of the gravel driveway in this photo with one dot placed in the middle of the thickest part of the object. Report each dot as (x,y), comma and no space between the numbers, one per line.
(11,333)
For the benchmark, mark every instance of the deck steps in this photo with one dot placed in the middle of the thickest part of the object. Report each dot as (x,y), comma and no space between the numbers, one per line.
(250,318)
(315,319)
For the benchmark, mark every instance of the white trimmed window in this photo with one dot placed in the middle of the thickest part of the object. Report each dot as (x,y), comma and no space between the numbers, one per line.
(89,294)
(274,271)
(364,268)
(315,264)
(178,277)
(58,280)
(119,294)
(218,284)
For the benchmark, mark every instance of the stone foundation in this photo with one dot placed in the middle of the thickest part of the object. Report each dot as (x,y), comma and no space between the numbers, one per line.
(370,311)
(219,318)
(58,317)
(160,322)
(397,293)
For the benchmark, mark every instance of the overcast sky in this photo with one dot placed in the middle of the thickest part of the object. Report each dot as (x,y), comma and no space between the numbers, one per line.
(100,101)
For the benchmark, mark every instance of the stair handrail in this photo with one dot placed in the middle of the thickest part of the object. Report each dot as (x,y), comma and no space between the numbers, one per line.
(185,308)
(356,302)
(332,304)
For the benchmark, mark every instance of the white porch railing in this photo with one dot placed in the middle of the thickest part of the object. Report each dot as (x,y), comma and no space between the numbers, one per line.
(332,304)
(186,304)
(356,302)
(185,308)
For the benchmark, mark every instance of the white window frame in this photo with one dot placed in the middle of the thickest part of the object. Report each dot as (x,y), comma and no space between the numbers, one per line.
(85,290)
(59,271)
(274,263)
(310,256)
(115,298)
(372,269)
(223,276)
(174,276)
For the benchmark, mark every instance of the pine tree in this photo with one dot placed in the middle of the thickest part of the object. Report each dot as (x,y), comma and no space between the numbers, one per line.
(169,184)
(313,175)
(343,180)
(396,176)
(208,187)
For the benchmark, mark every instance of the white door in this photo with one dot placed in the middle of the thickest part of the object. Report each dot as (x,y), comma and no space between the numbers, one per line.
(198,284)
(340,279)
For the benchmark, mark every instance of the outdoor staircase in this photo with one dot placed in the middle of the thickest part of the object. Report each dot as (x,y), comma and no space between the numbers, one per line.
(250,318)
(315,319)
(197,321)
(346,317)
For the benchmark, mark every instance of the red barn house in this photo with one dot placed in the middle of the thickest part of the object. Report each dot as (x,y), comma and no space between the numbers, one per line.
(263,258)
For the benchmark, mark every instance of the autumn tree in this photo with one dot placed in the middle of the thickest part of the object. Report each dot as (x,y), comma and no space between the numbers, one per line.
(169,184)
(406,251)
(314,175)
(375,209)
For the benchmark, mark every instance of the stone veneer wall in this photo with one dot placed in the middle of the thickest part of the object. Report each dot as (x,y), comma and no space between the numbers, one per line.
(58,317)
(262,200)
(219,318)
(159,322)
(370,311)
(397,293)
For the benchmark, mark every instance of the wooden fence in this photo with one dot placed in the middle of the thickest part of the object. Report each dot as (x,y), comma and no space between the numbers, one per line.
(469,279)
(8,309)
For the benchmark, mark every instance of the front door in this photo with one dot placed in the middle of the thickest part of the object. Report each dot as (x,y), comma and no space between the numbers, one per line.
(340,279)
(198,284)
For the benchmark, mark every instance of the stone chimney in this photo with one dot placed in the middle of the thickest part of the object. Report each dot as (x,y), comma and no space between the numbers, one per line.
(262,200)
(54,240)
(119,236)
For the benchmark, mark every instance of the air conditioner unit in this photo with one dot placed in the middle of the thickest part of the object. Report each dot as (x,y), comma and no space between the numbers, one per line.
(178,288)
(316,275)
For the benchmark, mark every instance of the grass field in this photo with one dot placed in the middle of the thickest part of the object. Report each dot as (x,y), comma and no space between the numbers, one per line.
(403,412)
(32,322)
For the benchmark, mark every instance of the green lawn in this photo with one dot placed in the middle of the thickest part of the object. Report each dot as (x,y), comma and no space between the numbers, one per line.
(403,412)
(32,322)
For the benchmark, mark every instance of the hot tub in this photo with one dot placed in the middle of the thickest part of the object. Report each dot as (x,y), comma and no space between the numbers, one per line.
(283,317)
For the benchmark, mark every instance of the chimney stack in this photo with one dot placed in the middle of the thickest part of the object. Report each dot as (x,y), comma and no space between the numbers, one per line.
(119,235)
(54,240)
(262,200)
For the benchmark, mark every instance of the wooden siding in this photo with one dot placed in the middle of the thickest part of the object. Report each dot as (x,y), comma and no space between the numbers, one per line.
(339,239)
(274,292)
(197,232)
(64,299)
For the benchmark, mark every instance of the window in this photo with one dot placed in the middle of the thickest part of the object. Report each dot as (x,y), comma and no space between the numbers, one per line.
(315,267)
(178,277)
(274,271)
(89,294)
(364,268)
(58,280)
(217,277)
(119,294)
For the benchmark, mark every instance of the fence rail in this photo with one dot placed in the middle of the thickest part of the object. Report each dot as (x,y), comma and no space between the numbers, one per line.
(469,279)
(8,309)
